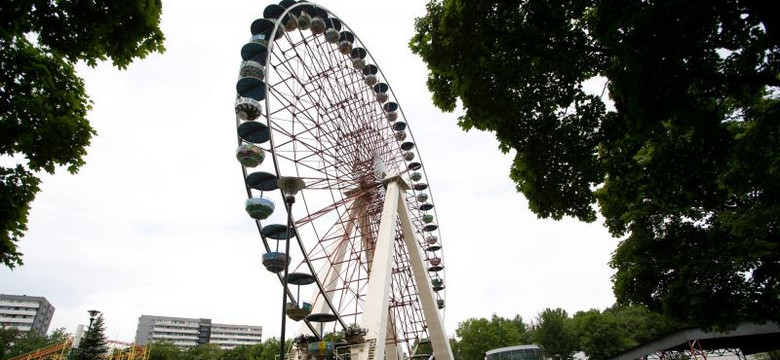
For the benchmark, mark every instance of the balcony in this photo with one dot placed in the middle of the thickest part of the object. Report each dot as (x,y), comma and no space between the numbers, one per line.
(185,343)
(181,324)
(226,330)
(232,337)
(16,320)
(20,327)
(174,337)
(235,342)
(28,312)
(21,304)
(172,329)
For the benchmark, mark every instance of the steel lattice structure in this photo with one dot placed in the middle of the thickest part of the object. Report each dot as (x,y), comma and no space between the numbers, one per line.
(312,98)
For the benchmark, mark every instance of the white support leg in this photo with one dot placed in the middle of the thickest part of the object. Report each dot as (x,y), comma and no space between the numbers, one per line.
(375,311)
(438,337)
(391,349)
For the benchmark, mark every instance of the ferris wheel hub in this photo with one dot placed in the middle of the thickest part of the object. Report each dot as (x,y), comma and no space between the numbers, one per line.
(365,231)
(402,185)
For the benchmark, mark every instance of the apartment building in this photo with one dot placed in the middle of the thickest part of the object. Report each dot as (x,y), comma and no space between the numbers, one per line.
(26,313)
(189,332)
(229,336)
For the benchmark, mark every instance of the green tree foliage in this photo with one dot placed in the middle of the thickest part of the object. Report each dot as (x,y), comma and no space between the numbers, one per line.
(267,350)
(59,334)
(422,348)
(476,336)
(14,343)
(600,335)
(43,105)
(242,353)
(204,352)
(686,166)
(93,344)
(163,350)
(270,349)
(554,332)
(525,330)
(642,325)
(603,335)
(8,336)
(454,346)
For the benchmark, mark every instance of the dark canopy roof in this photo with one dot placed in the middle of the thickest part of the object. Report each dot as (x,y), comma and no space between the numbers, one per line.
(750,338)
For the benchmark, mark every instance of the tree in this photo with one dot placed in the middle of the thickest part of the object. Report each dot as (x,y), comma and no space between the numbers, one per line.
(203,352)
(554,332)
(642,325)
(270,349)
(8,336)
(163,350)
(14,343)
(59,334)
(422,347)
(685,168)
(243,352)
(456,355)
(526,335)
(43,104)
(476,336)
(605,334)
(93,344)
(600,335)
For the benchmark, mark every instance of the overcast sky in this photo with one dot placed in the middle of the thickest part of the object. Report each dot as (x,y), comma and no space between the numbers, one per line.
(154,223)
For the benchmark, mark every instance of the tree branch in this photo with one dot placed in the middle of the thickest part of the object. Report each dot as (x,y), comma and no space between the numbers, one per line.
(757,79)
(559,45)
(763,11)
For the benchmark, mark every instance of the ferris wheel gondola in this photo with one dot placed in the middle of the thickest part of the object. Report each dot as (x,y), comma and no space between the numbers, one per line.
(313,104)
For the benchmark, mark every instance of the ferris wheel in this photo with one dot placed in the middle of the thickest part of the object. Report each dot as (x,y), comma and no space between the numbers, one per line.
(337,189)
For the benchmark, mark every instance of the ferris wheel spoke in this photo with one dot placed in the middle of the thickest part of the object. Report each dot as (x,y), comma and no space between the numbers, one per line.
(333,263)
(320,137)
(334,88)
(317,139)
(322,169)
(307,152)
(351,279)
(318,213)
(329,128)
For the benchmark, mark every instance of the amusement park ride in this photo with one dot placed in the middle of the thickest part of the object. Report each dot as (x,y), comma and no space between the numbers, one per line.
(60,351)
(56,351)
(352,190)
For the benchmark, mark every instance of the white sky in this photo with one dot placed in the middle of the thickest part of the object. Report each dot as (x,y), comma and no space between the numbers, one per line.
(154,222)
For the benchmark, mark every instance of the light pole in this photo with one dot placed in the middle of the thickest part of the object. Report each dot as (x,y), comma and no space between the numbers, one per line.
(290,186)
(92,315)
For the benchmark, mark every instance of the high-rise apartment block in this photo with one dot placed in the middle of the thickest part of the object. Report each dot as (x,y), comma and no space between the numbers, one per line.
(189,332)
(26,313)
